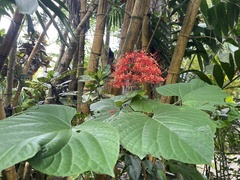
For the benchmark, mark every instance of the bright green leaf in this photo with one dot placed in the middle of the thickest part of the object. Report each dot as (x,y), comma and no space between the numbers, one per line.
(180,133)
(196,94)
(43,135)
(139,103)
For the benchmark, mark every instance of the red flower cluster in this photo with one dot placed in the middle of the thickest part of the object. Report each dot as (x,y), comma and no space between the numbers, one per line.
(135,68)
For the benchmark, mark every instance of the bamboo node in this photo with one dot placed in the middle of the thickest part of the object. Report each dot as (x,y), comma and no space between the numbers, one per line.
(183,35)
(137,17)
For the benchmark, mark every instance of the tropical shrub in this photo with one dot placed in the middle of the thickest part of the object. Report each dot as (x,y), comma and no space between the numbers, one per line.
(43,135)
(136,67)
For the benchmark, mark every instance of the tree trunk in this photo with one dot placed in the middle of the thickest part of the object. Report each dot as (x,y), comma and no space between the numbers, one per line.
(73,75)
(81,107)
(98,36)
(10,76)
(182,41)
(126,22)
(146,27)
(134,28)
(146,40)
(62,48)
(105,46)
(68,55)
(29,61)
(10,37)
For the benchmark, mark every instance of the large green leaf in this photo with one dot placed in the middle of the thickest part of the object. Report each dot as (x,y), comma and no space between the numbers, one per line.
(180,133)
(43,135)
(104,110)
(197,94)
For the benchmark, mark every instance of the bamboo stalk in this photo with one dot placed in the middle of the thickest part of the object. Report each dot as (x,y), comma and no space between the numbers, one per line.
(98,37)
(10,37)
(182,41)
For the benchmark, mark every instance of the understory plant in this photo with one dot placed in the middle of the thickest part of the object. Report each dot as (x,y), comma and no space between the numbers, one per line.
(136,68)
(125,128)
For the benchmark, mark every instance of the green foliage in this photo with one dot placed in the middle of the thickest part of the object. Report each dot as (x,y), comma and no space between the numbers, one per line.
(166,125)
(189,172)
(43,135)
(95,81)
(196,94)
(186,129)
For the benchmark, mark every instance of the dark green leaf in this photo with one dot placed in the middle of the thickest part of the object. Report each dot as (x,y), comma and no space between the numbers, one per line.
(204,8)
(218,75)
(41,22)
(229,68)
(45,9)
(133,164)
(237,58)
(232,41)
(30,25)
(189,172)
(59,13)
(223,19)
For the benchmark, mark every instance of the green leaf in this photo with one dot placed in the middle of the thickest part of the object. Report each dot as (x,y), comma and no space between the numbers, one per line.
(139,103)
(104,110)
(121,99)
(237,58)
(233,14)
(218,75)
(229,68)
(189,172)
(106,70)
(231,41)
(53,7)
(180,133)
(27,6)
(40,20)
(85,78)
(197,94)
(43,135)
(223,19)
(133,164)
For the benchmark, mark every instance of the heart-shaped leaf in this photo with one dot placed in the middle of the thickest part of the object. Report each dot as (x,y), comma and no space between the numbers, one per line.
(180,133)
(43,135)
(197,94)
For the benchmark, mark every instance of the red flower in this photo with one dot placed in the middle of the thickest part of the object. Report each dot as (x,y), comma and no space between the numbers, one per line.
(136,67)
